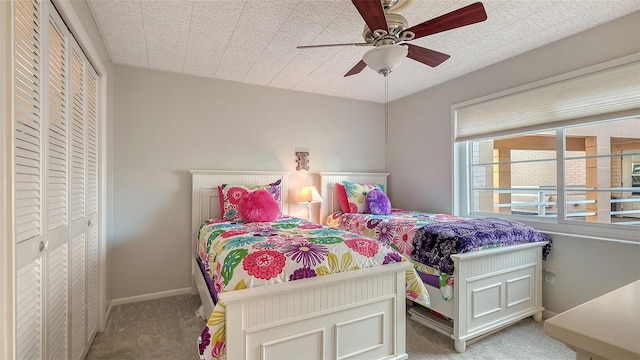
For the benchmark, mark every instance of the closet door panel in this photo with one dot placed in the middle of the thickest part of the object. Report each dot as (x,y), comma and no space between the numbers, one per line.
(77,142)
(92,282)
(78,289)
(57,329)
(27,120)
(57,199)
(29,295)
(92,143)
(57,155)
(77,137)
(28,189)
(92,204)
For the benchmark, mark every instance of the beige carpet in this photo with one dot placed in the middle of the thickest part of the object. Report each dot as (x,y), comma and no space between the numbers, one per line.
(168,328)
(157,329)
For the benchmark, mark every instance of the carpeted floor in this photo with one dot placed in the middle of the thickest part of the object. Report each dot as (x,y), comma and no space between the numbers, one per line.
(524,340)
(168,328)
(157,329)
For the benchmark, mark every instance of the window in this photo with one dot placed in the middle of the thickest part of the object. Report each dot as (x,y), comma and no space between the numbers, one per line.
(561,153)
(519,175)
(610,150)
(514,175)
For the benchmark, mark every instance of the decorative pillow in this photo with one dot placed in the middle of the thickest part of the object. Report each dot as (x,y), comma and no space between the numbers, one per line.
(378,202)
(259,206)
(230,196)
(341,193)
(356,194)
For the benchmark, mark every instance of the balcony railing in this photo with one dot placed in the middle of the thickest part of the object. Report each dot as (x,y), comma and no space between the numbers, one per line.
(541,201)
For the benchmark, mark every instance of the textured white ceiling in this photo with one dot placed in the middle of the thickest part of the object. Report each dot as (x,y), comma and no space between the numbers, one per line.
(254,41)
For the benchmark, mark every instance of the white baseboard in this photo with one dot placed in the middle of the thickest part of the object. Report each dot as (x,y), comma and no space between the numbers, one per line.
(152,296)
(107,315)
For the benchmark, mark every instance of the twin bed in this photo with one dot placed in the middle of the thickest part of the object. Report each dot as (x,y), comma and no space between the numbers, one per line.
(486,290)
(354,314)
(328,313)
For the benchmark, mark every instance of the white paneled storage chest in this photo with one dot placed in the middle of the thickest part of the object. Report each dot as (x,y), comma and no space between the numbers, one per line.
(53,206)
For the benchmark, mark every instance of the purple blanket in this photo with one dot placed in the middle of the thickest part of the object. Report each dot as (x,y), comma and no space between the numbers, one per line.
(434,243)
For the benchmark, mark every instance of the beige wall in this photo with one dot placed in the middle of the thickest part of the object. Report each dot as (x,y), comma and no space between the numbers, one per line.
(420,152)
(166,124)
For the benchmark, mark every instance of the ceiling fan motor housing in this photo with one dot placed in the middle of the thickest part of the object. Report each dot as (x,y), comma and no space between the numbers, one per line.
(395,22)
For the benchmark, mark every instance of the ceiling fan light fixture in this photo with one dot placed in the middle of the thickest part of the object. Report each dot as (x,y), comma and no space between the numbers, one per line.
(384,58)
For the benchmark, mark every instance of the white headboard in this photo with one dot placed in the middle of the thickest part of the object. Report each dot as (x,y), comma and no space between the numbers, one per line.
(328,180)
(205,202)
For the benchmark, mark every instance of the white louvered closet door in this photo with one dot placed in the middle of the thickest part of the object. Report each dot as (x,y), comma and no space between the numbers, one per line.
(28,178)
(92,204)
(41,182)
(57,195)
(55,136)
(78,207)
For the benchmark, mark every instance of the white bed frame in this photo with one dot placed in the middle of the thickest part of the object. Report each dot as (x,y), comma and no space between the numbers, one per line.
(493,288)
(352,315)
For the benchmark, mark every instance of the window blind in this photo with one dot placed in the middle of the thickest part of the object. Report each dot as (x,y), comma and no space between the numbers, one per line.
(614,91)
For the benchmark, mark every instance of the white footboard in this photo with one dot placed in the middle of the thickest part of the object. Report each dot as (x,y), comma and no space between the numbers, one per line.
(355,315)
(493,288)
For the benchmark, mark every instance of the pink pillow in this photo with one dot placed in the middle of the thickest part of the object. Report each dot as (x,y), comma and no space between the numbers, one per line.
(221,197)
(258,206)
(230,196)
(342,198)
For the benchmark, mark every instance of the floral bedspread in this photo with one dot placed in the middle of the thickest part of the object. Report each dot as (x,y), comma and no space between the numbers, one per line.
(245,255)
(429,239)
(396,229)
(435,243)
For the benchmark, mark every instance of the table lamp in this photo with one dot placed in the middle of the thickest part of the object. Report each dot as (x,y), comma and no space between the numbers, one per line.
(309,194)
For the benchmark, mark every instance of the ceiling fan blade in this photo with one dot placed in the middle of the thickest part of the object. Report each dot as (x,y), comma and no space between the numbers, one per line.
(356,69)
(426,56)
(372,13)
(467,15)
(329,45)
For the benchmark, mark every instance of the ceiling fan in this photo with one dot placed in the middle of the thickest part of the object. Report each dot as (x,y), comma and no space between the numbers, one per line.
(387,31)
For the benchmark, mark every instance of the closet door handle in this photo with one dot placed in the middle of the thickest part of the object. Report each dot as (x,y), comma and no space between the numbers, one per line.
(44,245)
(89,223)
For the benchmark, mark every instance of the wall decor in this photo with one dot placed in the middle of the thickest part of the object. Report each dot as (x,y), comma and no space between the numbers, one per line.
(303,160)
